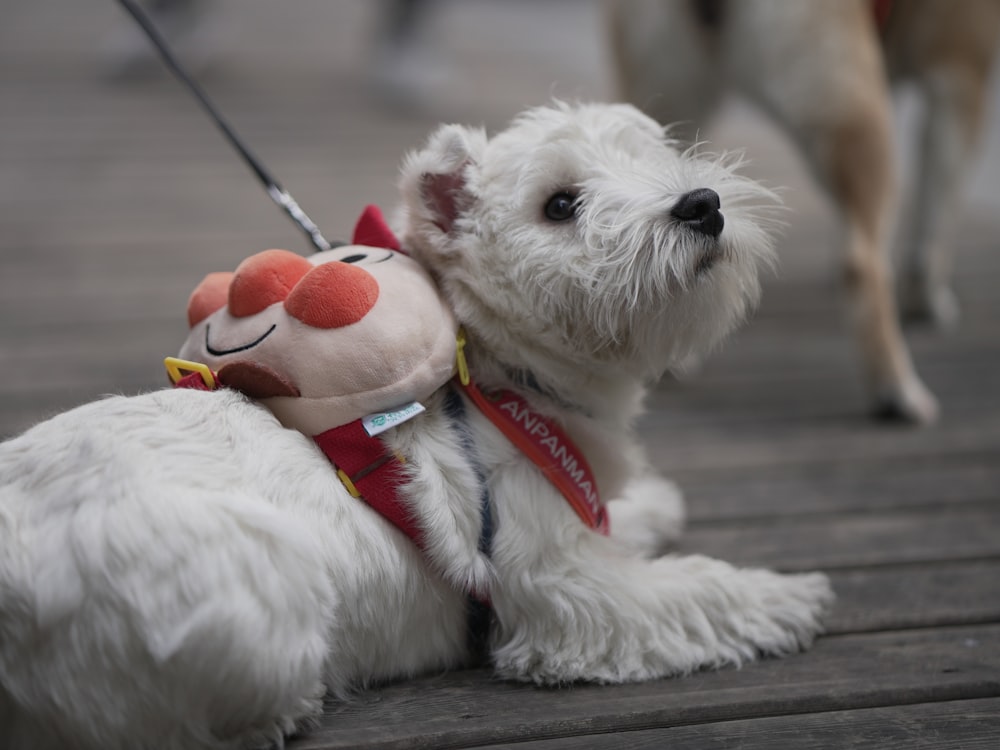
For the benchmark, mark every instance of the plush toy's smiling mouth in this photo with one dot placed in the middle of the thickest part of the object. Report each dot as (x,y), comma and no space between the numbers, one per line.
(251,345)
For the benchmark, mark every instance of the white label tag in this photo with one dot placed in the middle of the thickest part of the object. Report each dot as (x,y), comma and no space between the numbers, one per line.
(379,422)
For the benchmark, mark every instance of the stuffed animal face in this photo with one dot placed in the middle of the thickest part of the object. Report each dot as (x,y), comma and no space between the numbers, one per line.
(324,340)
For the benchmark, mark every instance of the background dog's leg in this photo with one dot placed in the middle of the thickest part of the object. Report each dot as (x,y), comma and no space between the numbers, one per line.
(841,119)
(859,164)
(680,89)
(945,143)
(954,62)
(854,158)
(816,69)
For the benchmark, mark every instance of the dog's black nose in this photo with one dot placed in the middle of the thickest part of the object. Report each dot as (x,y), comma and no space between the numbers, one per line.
(699,210)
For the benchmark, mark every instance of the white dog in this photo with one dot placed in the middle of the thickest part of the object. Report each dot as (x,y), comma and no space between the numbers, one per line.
(179,571)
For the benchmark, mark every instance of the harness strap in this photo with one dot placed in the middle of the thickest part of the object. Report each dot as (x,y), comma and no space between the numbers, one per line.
(548,447)
(479,614)
(369,472)
(541,440)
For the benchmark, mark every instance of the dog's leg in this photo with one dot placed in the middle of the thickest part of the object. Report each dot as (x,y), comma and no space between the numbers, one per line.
(858,167)
(954,92)
(680,89)
(649,515)
(589,616)
(444,496)
(571,604)
(841,120)
(831,97)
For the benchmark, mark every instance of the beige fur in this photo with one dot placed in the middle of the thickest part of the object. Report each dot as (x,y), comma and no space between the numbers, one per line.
(823,70)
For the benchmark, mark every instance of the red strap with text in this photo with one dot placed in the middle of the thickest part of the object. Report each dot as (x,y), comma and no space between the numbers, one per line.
(545,443)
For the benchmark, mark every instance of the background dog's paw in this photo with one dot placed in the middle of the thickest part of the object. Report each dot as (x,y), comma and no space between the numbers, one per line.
(650,515)
(785,613)
(909,401)
(938,306)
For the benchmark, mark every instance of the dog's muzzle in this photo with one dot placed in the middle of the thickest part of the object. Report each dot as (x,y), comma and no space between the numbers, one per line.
(699,210)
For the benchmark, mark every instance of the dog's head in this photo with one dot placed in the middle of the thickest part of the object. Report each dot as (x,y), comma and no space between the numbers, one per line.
(582,236)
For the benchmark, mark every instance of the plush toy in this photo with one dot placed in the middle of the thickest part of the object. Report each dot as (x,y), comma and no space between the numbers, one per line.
(340,346)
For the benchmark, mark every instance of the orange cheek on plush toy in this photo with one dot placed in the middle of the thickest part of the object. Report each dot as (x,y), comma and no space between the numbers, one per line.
(328,296)
(332,295)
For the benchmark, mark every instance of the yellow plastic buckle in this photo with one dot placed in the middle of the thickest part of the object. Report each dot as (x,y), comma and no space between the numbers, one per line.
(463,365)
(178,368)
(348,484)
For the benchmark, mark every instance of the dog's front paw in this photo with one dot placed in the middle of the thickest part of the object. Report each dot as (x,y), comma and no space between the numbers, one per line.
(650,516)
(923,303)
(784,613)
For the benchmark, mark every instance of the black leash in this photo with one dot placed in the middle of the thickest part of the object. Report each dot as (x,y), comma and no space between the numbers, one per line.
(278,194)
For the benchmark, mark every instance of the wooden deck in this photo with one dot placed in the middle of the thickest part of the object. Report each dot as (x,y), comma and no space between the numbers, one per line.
(117,196)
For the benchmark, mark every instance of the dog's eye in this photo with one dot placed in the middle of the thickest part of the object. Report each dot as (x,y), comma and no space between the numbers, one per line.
(560,207)
(353,258)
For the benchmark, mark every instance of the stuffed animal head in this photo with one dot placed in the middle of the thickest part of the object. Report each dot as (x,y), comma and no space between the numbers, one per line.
(325,340)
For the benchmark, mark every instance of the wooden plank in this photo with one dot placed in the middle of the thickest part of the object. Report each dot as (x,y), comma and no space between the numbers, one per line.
(787,390)
(915,596)
(85,349)
(807,336)
(829,487)
(853,540)
(848,438)
(952,725)
(772,371)
(840,673)
(808,395)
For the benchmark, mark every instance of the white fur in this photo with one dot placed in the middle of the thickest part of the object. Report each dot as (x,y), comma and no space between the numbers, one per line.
(179,571)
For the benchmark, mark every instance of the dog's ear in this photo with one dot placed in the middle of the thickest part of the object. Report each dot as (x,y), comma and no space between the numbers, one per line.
(435,179)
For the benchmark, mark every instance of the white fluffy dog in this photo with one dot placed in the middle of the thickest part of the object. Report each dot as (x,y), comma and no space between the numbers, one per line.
(177,570)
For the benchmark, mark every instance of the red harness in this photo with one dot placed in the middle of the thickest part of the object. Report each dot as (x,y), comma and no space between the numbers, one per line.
(369,472)
(549,448)
(364,466)
(373,474)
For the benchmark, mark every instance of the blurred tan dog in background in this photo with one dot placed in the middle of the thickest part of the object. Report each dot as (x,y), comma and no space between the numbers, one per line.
(823,71)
